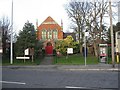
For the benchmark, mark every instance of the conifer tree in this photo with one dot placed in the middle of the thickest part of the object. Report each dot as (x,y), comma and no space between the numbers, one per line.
(26,39)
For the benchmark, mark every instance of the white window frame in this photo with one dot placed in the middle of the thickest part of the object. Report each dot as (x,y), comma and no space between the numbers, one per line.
(44,34)
(55,34)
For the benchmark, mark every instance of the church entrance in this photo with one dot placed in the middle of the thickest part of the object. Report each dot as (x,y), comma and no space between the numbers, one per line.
(49,49)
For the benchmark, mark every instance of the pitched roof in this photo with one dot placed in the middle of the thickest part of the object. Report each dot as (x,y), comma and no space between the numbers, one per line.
(49,20)
(49,23)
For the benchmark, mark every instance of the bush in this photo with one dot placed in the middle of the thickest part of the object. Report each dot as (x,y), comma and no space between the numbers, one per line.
(68,42)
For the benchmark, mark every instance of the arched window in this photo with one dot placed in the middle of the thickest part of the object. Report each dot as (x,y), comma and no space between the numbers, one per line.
(44,34)
(55,34)
(49,34)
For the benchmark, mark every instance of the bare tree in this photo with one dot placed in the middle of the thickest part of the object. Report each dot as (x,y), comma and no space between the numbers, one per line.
(88,15)
(5,32)
(100,8)
(78,11)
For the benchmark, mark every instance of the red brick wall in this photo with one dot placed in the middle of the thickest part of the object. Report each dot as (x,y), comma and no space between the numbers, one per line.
(49,24)
(49,27)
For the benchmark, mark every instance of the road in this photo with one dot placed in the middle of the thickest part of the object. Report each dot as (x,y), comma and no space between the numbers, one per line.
(40,78)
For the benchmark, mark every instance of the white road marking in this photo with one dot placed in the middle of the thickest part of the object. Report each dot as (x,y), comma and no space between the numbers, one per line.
(75,87)
(115,69)
(12,82)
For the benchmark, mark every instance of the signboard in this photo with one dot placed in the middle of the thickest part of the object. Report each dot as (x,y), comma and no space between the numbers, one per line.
(103,51)
(103,59)
(86,33)
(31,51)
(1,51)
(69,50)
(26,51)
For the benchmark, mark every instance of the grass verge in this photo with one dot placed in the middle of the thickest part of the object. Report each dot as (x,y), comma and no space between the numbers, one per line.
(21,62)
(75,60)
(78,60)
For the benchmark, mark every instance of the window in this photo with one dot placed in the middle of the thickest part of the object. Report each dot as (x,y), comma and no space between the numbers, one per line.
(44,34)
(49,34)
(55,34)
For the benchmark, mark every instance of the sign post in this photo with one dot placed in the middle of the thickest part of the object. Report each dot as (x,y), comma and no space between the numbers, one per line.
(69,51)
(32,53)
(26,52)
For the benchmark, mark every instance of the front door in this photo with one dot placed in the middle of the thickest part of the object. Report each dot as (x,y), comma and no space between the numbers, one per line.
(49,49)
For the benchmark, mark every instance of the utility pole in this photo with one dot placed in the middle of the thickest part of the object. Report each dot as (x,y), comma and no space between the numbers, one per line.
(85,47)
(11,41)
(112,40)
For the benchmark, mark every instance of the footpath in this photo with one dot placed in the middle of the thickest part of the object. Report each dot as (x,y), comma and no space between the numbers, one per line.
(47,64)
(98,67)
(48,60)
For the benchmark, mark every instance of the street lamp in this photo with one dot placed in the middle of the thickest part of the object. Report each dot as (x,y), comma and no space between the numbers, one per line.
(11,42)
(85,52)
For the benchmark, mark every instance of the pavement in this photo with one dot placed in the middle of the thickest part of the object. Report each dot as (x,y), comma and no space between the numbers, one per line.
(98,67)
(46,64)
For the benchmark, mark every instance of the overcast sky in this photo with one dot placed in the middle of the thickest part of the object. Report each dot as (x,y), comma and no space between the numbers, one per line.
(35,9)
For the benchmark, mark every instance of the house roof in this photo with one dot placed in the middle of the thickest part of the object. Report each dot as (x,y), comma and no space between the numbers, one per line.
(49,23)
(49,20)
(67,34)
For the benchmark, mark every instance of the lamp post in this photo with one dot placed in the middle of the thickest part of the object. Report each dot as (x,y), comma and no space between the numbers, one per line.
(85,52)
(11,42)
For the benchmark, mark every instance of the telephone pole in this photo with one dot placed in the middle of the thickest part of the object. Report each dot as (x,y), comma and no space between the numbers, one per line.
(112,40)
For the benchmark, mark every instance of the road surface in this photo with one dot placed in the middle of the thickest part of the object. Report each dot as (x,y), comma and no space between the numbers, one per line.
(53,78)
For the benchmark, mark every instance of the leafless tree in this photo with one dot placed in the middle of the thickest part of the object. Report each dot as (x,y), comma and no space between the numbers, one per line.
(78,11)
(5,32)
(99,9)
(88,15)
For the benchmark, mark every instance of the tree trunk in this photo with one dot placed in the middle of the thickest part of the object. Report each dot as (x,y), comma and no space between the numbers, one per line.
(95,49)
(79,34)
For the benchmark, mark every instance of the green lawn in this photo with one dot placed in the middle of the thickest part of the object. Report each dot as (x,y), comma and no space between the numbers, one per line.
(75,59)
(71,60)
(79,60)
(21,62)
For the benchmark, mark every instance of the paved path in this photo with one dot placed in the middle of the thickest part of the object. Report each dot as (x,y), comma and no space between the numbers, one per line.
(98,67)
(48,60)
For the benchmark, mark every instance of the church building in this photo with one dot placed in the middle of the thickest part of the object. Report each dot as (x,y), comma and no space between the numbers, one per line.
(49,31)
